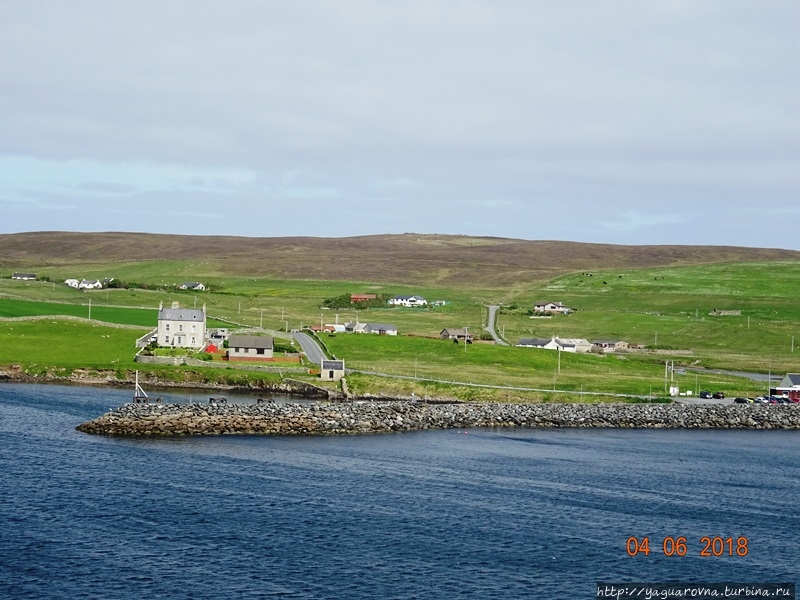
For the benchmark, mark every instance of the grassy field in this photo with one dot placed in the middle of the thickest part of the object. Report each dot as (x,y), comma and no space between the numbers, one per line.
(489,364)
(665,307)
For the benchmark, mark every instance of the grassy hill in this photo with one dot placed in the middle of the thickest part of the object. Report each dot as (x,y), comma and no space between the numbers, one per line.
(435,260)
(661,297)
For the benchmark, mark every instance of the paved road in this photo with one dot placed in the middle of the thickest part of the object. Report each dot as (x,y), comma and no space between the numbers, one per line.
(313,352)
(490,327)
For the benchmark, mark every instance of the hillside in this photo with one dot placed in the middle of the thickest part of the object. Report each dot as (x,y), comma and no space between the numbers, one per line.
(434,259)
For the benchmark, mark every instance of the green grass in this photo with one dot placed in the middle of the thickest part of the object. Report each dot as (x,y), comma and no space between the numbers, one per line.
(62,344)
(516,367)
(667,307)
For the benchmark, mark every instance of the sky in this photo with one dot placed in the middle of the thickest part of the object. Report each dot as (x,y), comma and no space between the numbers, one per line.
(670,122)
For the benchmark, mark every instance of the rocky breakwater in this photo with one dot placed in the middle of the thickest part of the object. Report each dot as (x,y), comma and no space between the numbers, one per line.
(376,417)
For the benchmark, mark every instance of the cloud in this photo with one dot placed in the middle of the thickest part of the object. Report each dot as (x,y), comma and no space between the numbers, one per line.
(412,115)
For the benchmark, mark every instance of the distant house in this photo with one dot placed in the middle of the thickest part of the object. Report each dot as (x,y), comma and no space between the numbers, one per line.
(322,328)
(192,285)
(354,298)
(331,370)
(380,329)
(73,283)
(90,284)
(789,386)
(408,301)
(535,343)
(24,276)
(250,348)
(457,334)
(576,345)
(181,327)
(355,327)
(551,307)
(609,345)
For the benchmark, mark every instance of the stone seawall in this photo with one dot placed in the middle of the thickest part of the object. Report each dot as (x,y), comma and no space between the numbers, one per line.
(376,417)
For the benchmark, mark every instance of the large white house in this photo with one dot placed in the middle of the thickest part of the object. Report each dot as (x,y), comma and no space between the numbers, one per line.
(408,301)
(181,327)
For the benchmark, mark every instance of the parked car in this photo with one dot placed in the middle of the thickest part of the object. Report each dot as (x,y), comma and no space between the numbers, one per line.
(718,395)
(705,394)
(741,400)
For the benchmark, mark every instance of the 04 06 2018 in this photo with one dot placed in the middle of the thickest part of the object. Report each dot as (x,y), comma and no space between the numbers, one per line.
(708,546)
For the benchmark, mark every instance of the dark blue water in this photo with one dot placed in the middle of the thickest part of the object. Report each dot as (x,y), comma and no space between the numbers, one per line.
(438,514)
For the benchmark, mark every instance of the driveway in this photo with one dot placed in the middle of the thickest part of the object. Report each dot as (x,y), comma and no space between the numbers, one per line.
(312,349)
(490,327)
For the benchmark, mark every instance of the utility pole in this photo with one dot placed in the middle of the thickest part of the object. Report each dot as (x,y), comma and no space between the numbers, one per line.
(261,325)
(466,333)
(559,360)
(90,309)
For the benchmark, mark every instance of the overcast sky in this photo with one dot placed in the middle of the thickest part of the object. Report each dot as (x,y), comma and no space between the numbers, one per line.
(668,122)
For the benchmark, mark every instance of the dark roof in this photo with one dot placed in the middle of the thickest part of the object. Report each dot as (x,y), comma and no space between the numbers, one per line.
(250,341)
(333,365)
(381,326)
(792,379)
(23,275)
(533,342)
(181,314)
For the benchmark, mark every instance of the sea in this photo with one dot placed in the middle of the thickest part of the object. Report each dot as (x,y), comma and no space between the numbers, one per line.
(476,513)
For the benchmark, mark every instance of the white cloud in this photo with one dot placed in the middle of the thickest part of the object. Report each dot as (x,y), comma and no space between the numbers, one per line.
(526,108)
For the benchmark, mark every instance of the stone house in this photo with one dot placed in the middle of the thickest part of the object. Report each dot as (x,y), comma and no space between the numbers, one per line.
(456,333)
(606,346)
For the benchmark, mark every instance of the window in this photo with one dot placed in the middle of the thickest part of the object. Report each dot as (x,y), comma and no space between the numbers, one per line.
(193,341)
(166,327)
(180,327)
(259,351)
(166,339)
(194,327)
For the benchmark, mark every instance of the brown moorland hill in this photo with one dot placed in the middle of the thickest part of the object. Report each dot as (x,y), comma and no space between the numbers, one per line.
(451,260)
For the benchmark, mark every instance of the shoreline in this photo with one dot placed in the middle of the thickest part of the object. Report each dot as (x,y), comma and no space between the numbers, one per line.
(97,378)
(385,417)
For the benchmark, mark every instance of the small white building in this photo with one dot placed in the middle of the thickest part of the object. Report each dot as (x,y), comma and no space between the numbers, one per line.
(73,283)
(192,285)
(24,276)
(331,370)
(181,327)
(551,307)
